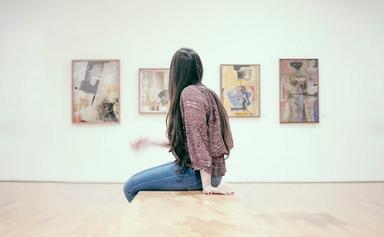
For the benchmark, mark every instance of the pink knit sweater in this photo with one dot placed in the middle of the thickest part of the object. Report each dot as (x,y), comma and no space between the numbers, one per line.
(204,144)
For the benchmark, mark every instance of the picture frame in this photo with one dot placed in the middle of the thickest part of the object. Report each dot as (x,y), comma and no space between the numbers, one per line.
(95,91)
(153,90)
(240,89)
(299,90)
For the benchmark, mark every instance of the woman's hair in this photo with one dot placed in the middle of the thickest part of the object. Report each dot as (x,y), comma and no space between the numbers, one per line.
(187,69)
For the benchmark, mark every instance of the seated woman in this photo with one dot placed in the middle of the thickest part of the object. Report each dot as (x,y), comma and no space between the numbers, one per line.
(199,135)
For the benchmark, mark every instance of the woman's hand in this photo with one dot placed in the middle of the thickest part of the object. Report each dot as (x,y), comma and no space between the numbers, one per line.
(140,144)
(144,143)
(209,190)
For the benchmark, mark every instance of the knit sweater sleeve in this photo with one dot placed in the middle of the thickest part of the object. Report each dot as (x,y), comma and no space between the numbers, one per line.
(194,113)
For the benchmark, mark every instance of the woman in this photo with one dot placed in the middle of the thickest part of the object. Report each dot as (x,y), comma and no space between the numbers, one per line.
(198,133)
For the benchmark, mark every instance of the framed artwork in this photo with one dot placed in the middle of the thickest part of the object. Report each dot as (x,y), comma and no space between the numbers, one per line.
(153,90)
(240,89)
(299,91)
(95,91)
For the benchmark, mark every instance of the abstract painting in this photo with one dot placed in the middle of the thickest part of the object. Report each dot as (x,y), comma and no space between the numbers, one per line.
(95,91)
(153,90)
(240,89)
(299,90)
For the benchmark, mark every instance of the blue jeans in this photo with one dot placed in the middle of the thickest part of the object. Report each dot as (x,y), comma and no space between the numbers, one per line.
(165,177)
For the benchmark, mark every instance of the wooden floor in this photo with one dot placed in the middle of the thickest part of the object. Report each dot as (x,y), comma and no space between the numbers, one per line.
(257,209)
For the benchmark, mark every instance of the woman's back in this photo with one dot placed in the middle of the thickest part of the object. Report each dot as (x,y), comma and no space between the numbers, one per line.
(204,141)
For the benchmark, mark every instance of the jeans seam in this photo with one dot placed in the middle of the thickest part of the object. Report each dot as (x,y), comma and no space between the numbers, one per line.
(154,180)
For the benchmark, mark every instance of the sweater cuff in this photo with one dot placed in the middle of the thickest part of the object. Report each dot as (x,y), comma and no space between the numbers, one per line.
(207,169)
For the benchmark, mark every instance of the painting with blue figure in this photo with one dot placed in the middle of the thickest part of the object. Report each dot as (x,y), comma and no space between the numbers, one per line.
(239,97)
(240,89)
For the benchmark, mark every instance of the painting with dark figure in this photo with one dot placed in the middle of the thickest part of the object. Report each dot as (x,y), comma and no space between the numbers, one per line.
(299,91)
(95,91)
(107,109)
(153,90)
(240,90)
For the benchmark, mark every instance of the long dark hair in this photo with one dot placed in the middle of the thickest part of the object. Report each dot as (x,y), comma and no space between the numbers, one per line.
(186,69)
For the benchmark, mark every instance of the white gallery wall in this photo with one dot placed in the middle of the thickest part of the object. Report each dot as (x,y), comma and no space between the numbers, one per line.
(39,38)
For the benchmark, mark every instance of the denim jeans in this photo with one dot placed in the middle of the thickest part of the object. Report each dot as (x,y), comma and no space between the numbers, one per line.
(165,177)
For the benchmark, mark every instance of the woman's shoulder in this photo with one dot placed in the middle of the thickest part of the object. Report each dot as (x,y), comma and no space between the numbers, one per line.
(193,92)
